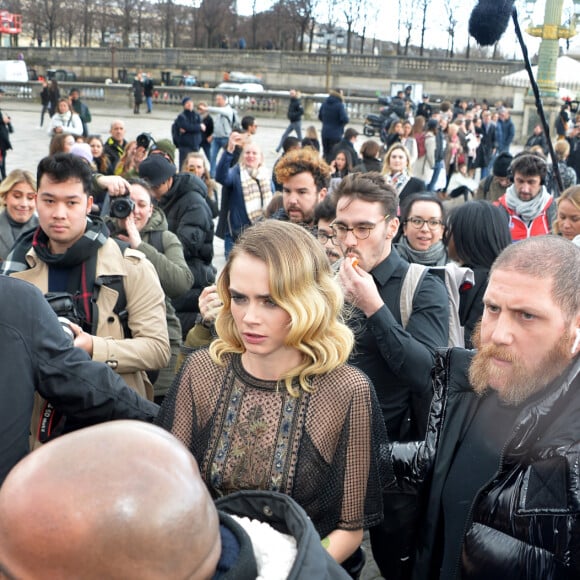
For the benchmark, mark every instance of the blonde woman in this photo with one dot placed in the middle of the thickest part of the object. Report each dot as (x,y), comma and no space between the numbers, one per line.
(272,403)
(567,222)
(18,200)
(247,189)
(397,172)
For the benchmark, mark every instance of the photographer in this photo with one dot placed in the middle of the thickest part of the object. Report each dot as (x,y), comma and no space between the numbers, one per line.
(145,229)
(117,292)
(183,199)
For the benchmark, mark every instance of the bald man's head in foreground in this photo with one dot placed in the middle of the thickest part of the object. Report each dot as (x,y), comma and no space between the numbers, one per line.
(119,500)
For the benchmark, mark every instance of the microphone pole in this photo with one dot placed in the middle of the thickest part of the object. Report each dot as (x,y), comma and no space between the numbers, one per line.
(538,99)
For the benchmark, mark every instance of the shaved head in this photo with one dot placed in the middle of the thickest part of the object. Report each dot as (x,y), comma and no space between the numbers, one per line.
(120,500)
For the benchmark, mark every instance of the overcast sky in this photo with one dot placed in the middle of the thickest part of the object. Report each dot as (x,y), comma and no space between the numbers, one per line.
(386,24)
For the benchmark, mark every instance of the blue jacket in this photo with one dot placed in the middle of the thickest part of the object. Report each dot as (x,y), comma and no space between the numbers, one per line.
(233,216)
(334,117)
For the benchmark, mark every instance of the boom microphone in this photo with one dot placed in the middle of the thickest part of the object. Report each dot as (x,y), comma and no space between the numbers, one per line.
(489,20)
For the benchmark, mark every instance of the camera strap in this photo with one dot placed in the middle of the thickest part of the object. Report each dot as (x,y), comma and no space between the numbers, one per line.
(51,423)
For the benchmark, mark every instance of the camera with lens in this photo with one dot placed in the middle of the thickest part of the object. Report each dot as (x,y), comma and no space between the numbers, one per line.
(145,140)
(65,307)
(121,207)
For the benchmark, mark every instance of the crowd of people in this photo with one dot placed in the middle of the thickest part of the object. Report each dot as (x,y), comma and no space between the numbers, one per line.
(309,385)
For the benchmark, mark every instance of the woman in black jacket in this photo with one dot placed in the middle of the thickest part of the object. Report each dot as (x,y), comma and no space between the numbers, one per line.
(477,232)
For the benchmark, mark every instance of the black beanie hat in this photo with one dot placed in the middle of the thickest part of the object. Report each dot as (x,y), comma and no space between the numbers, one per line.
(502,164)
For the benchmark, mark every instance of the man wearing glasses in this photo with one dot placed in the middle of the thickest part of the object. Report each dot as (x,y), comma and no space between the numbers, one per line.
(398,360)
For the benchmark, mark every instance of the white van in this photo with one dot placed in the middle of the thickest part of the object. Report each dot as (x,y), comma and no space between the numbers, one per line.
(13,71)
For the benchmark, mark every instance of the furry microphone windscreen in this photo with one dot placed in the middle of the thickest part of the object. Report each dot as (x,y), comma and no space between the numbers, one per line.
(489,20)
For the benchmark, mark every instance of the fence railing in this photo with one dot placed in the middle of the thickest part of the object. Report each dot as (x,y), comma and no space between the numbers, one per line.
(265,104)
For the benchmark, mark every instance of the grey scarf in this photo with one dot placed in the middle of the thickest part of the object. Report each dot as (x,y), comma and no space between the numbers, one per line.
(436,255)
(527,210)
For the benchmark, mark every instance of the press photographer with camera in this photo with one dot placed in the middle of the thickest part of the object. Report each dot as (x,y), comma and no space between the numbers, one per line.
(116,291)
(144,227)
(183,199)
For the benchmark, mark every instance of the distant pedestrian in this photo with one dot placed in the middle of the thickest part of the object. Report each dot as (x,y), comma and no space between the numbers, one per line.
(295,112)
(311,138)
(53,97)
(44,101)
(334,117)
(189,127)
(224,121)
(5,130)
(137,94)
(148,89)
(207,135)
(80,109)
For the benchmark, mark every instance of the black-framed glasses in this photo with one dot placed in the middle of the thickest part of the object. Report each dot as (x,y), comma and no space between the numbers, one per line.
(418,223)
(323,236)
(360,232)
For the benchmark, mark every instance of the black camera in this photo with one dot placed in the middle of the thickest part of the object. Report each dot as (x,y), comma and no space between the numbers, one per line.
(65,307)
(121,207)
(145,140)
(63,304)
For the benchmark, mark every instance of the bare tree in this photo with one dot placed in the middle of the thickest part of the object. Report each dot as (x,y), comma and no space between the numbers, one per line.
(51,10)
(351,10)
(408,17)
(213,15)
(303,15)
(167,14)
(125,8)
(451,7)
(424,5)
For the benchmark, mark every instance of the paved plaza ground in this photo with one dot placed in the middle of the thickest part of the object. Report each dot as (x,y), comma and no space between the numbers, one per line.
(30,144)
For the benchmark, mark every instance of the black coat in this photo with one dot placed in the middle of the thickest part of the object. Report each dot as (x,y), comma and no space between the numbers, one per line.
(348,148)
(333,117)
(414,185)
(5,130)
(524,522)
(189,217)
(36,355)
(295,110)
(487,145)
(399,360)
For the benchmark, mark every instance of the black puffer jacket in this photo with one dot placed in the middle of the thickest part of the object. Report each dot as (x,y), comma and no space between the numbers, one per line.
(189,217)
(525,523)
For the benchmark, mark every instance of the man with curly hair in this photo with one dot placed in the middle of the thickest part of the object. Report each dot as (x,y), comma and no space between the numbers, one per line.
(304,176)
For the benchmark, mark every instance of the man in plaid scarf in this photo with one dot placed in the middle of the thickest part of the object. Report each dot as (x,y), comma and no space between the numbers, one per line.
(72,253)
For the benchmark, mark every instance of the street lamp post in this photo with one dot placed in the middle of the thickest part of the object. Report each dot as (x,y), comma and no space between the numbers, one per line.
(551,31)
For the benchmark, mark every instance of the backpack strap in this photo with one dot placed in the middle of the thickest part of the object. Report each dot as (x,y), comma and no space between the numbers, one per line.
(114,282)
(411,282)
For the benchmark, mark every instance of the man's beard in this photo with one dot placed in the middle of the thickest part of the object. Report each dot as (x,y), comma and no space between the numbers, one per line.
(519,381)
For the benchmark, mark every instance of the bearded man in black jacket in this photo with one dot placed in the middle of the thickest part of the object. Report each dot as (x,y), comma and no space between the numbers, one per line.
(500,462)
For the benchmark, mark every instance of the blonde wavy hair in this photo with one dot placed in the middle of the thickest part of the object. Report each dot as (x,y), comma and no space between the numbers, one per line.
(14,177)
(302,284)
(387,160)
(572,194)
